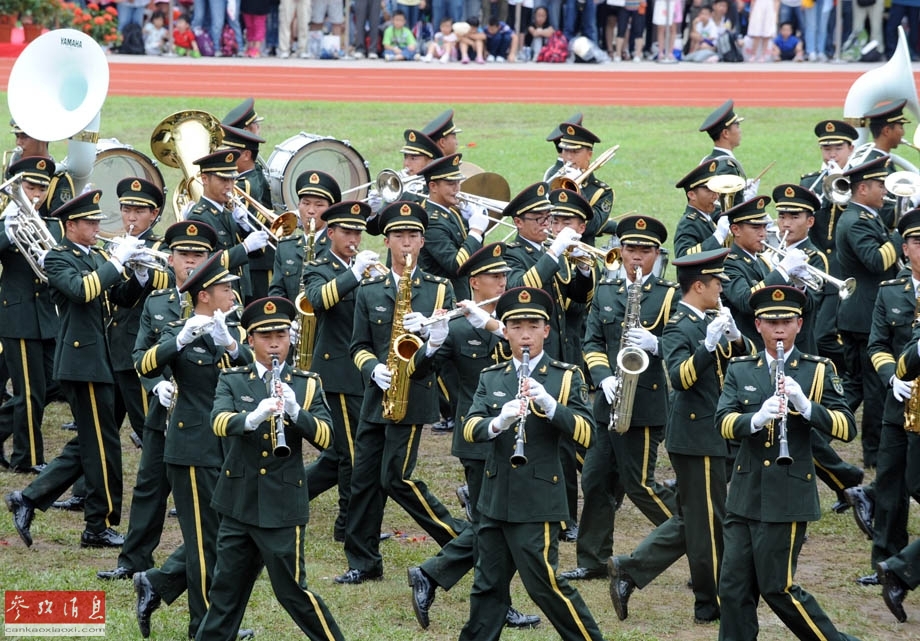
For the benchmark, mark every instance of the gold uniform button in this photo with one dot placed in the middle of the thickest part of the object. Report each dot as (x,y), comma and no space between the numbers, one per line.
(180,424)
(766,463)
(76,343)
(808,476)
(474,356)
(555,478)
(264,454)
(265,437)
(738,468)
(262,472)
(326,356)
(114,323)
(228,472)
(692,415)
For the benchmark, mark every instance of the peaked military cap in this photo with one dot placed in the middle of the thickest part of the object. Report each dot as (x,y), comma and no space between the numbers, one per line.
(441,126)
(418,144)
(488,259)
(524,302)
(403,215)
(795,198)
(873,170)
(707,263)
(834,132)
(641,230)
(14,128)
(909,225)
(778,301)
(574,136)
(140,192)
(446,168)
(570,203)
(220,163)
(888,113)
(268,314)
(34,169)
(531,199)
(191,236)
(83,207)
(350,214)
(721,118)
(318,183)
(243,115)
(699,175)
(210,272)
(750,211)
(240,138)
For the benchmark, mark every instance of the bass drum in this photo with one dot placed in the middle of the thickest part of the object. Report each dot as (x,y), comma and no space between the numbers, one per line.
(114,162)
(305,151)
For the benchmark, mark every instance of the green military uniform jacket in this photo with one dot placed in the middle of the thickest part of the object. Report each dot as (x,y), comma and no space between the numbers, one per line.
(909,361)
(600,196)
(761,490)
(255,486)
(822,320)
(254,183)
(26,308)
(331,288)
(534,492)
(84,285)
(733,167)
(448,245)
(531,267)
(694,233)
(195,368)
(287,274)
(868,253)
(892,322)
(230,237)
(696,376)
(823,232)
(160,308)
(602,343)
(887,212)
(370,343)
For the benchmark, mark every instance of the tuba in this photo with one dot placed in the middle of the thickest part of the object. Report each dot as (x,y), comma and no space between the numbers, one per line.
(307,335)
(178,141)
(402,348)
(631,362)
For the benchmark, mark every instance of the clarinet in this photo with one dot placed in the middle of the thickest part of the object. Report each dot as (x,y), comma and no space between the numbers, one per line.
(281,449)
(783,458)
(518,458)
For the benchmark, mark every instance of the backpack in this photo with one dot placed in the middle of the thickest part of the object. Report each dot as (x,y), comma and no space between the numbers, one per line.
(132,40)
(228,46)
(556,48)
(203,39)
(728,48)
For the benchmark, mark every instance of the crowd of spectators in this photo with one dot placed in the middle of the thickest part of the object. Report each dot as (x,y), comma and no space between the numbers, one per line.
(497,31)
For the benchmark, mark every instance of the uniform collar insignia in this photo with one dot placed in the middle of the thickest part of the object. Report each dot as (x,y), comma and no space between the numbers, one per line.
(199,350)
(474,342)
(247,399)
(750,388)
(499,393)
(158,316)
(380,308)
(543,370)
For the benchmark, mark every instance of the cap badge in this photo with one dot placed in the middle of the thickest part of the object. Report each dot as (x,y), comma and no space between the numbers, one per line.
(541,190)
(405,210)
(136,185)
(778,295)
(497,251)
(789,193)
(270,308)
(40,165)
(411,137)
(830,128)
(524,297)
(314,179)
(641,224)
(712,166)
(96,198)
(229,157)
(570,130)
(563,197)
(356,209)
(191,230)
(456,161)
(760,203)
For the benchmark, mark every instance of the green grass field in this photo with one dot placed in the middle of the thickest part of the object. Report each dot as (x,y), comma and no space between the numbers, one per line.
(657,147)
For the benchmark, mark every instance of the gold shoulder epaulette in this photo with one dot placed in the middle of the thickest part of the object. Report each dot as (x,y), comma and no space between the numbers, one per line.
(816,359)
(692,215)
(373,279)
(435,279)
(747,357)
(160,292)
(864,215)
(677,316)
(893,281)
(241,369)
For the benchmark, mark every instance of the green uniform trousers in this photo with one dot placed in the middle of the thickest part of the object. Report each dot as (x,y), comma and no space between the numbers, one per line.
(897,478)
(130,399)
(30,363)
(836,473)
(864,386)
(906,564)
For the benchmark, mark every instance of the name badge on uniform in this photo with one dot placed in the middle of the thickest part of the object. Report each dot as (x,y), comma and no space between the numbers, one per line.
(222,233)
(895,310)
(750,388)
(158,316)
(380,309)
(474,342)
(499,394)
(289,262)
(608,308)
(199,350)
(247,399)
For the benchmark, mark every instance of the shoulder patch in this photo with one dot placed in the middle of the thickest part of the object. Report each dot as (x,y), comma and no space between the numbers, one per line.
(888,283)
(863,215)
(816,359)
(179,322)
(372,280)
(692,215)
(667,283)
(741,359)
(732,257)
(677,316)
(497,366)
(435,279)
(160,292)
(562,365)
(242,369)
(513,244)
(304,373)
(322,260)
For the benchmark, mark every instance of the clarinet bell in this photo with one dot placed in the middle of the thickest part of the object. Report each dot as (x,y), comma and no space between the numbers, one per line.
(518,458)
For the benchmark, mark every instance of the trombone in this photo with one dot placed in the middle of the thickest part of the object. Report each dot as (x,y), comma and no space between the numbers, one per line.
(845,288)
(389,184)
(561,181)
(279,225)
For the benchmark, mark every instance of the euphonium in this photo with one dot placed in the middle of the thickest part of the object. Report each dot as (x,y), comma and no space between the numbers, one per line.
(26,228)
(631,361)
(912,404)
(307,335)
(402,348)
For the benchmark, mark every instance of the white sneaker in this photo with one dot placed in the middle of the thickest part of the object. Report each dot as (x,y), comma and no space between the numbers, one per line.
(822,57)
(372,56)
(637,58)
(812,57)
(490,58)
(284,55)
(617,59)
(427,58)
(304,55)
(358,55)
(499,58)
(445,58)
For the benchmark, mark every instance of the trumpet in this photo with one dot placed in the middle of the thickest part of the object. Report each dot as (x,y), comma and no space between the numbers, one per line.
(561,181)
(144,257)
(380,267)
(209,325)
(390,185)
(279,225)
(609,257)
(818,278)
(837,186)
(903,185)
(457,312)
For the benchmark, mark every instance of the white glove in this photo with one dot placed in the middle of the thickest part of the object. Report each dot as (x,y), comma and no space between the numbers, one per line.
(375,201)
(479,219)
(382,376)
(795,394)
(750,189)
(126,248)
(566,237)
(291,406)
(363,260)
(266,407)
(541,397)
(731,329)
(510,414)
(412,323)
(800,272)
(609,386)
(767,412)
(219,332)
(241,217)
(142,274)
(476,315)
(901,389)
(643,339)
(192,327)
(40,256)
(437,332)
(723,229)
(7,223)
(295,332)
(570,171)
(714,332)
(255,241)
(795,259)
(164,391)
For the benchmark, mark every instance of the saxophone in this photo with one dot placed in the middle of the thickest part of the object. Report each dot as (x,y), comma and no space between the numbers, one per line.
(402,348)
(307,335)
(631,361)
(912,404)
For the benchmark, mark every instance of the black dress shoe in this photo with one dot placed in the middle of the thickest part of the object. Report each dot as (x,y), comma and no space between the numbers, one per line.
(108,538)
(423,591)
(173,514)
(519,620)
(147,602)
(245,633)
(863,509)
(583,574)
(117,574)
(443,426)
(621,587)
(841,505)
(137,440)
(869,580)
(31,469)
(463,493)
(355,576)
(73,504)
(4,462)
(893,591)
(70,426)
(23,513)
(569,535)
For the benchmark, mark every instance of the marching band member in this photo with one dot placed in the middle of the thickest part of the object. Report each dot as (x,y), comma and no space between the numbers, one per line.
(553,137)
(577,147)
(697,230)
(244,116)
(443,132)
(886,124)
(770,503)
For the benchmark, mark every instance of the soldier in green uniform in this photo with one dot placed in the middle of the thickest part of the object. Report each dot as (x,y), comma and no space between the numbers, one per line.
(244,116)
(553,137)
(886,125)
(252,181)
(443,132)
(697,344)
(697,230)
(523,504)
(195,350)
(83,286)
(139,203)
(626,453)
(386,449)
(28,326)
(317,190)
(474,342)
(189,244)
(868,253)
(770,503)
(330,284)
(234,231)
(723,126)
(261,492)
(577,146)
